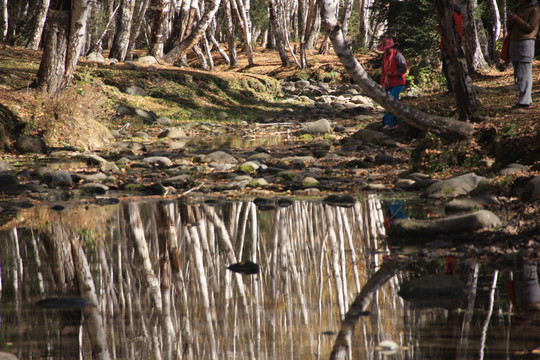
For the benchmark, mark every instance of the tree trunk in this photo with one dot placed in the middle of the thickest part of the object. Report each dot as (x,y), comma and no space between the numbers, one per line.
(471,44)
(313,24)
(39,22)
(5,19)
(123,29)
(230,34)
(302,33)
(65,32)
(278,35)
(346,17)
(182,47)
(444,127)
(242,17)
(466,98)
(159,12)
(138,23)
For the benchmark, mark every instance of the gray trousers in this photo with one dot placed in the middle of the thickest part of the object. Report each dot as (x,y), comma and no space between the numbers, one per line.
(523,79)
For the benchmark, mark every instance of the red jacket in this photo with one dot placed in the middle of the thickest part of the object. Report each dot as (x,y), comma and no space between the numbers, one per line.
(458,18)
(394,63)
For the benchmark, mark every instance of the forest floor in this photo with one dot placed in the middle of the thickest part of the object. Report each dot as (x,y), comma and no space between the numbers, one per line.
(504,135)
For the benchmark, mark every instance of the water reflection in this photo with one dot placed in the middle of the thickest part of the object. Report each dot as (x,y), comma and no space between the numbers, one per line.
(155,277)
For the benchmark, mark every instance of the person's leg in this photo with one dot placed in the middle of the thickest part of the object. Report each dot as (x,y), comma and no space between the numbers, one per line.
(395,91)
(523,73)
(445,70)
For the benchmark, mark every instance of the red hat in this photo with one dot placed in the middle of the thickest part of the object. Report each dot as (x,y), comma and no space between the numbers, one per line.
(387,44)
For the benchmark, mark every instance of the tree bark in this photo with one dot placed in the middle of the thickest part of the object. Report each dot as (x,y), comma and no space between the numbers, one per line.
(65,33)
(466,98)
(471,43)
(242,17)
(39,23)
(5,19)
(277,33)
(123,29)
(182,47)
(230,34)
(159,12)
(137,23)
(441,126)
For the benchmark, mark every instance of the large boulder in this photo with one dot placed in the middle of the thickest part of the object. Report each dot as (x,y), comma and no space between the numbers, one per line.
(461,185)
(531,190)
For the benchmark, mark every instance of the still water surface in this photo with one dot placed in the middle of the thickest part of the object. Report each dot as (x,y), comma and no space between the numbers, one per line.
(155,276)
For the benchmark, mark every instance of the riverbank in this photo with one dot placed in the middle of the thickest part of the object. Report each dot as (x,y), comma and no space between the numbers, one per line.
(138,129)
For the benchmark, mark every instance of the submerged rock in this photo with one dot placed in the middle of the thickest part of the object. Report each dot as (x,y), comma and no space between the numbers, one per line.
(434,291)
(455,224)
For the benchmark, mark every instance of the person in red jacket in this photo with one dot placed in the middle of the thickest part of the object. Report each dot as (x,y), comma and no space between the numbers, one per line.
(393,77)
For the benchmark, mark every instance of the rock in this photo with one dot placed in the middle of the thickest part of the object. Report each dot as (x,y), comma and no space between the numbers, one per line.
(59,178)
(461,185)
(222,157)
(531,191)
(404,184)
(92,178)
(172,133)
(374,138)
(259,182)
(124,110)
(159,161)
(135,90)
(309,181)
(362,100)
(222,115)
(132,65)
(141,134)
(95,188)
(512,169)
(476,202)
(164,121)
(147,60)
(108,167)
(30,144)
(455,224)
(179,181)
(249,167)
(93,159)
(95,57)
(321,126)
(148,117)
(260,156)
(434,291)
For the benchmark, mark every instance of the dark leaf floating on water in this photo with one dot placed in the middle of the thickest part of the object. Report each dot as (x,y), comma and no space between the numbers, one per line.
(245,267)
(63,303)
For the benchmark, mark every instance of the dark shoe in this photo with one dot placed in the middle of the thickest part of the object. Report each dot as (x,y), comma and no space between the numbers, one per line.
(521,106)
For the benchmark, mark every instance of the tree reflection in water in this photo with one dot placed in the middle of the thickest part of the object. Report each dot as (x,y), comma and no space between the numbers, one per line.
(155,274)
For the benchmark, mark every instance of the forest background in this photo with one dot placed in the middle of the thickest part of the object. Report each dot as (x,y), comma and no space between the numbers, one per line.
(172,29)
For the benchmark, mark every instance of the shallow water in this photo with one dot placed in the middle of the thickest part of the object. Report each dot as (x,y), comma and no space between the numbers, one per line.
(162,289)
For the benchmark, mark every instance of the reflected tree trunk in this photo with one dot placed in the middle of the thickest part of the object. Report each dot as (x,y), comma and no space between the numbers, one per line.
(342,344)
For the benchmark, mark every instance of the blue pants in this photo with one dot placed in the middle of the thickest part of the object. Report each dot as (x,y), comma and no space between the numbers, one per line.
(389,118)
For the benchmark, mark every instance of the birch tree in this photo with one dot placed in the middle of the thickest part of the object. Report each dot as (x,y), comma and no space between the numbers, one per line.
(181,47)
(123,29)
(38,24)
(65,31)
